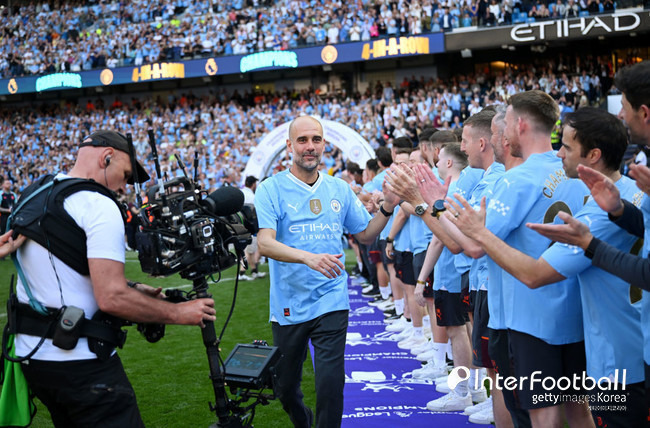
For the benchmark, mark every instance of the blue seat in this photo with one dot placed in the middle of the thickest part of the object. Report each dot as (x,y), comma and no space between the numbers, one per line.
(583,13)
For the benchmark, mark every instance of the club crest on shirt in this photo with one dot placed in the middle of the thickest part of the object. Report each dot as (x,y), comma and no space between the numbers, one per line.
(315,206)
(335,205)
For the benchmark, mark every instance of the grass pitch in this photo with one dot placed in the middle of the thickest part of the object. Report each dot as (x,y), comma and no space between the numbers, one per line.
(171,377)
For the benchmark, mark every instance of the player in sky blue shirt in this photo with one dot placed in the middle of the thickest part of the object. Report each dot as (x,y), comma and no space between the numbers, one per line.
(467,182)
(445,276)
(479,269)
(612,325)
(536,191)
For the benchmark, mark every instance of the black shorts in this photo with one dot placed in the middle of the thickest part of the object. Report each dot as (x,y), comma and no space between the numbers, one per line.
(384,259)
(404,267)
(449,308)
(607,412)
(373,252)
(472,300)
(480,335)
(418,261)
(498,348)
(531,354)
(464,291)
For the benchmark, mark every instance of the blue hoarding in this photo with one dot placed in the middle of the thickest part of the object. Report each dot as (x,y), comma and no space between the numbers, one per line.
(393,47)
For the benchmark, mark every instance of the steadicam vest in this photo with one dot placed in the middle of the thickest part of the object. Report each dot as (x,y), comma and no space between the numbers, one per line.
(39,215)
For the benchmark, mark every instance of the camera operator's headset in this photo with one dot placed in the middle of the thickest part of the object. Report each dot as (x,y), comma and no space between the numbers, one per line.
(66,324)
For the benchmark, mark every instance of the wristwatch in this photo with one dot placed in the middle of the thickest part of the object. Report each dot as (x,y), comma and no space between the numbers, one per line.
(438,208)
(421,209)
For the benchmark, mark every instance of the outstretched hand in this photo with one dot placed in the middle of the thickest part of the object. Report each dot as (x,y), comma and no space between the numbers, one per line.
(430,187)
(463,215)
(641,174)
(602,189)
(400,180)
(572,232)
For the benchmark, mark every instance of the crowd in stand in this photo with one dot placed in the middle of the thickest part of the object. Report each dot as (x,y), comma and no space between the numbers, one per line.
(82,35)
(224,128)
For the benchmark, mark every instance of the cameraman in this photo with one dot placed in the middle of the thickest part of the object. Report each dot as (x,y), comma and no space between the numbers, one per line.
(78,388)
(301,215)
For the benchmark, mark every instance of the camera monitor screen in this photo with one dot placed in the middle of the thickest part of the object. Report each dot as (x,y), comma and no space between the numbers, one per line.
(249,360)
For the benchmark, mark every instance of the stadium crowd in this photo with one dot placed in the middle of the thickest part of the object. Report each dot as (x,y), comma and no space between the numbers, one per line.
(82,35)
(225,127)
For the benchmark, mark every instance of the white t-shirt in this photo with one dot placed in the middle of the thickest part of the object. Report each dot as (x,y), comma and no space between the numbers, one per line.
(641,158)
(249,195)
(100,218)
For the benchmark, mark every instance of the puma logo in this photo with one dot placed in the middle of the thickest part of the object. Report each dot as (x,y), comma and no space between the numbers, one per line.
(294,208)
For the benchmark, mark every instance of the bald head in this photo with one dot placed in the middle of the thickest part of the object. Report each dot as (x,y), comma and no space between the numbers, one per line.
(300,120)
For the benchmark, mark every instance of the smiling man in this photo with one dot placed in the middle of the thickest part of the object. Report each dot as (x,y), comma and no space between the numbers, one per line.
(302,214)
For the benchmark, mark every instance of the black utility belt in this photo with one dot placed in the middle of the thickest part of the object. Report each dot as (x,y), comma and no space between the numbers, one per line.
(66,325)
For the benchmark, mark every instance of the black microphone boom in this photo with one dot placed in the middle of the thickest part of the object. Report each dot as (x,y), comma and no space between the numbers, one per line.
(224,201)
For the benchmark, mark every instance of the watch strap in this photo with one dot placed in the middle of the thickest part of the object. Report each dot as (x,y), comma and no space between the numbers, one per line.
(384,212)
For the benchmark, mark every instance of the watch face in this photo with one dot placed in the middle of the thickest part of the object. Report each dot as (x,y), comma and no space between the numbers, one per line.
(439,205)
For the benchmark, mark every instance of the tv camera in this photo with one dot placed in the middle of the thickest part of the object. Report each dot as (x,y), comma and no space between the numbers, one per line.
(184,230)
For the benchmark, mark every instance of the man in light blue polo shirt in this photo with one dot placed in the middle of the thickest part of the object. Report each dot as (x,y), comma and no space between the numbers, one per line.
(301,215)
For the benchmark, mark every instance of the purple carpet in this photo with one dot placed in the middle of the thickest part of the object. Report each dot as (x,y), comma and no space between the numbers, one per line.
(377,394)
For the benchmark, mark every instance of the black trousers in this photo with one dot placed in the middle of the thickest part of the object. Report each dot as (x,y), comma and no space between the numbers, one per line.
(84,393)
(327,334)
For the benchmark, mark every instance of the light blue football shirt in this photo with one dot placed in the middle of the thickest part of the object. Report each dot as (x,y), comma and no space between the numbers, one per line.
(467,181)
(612,325)
(479,271)
(309,218)
(376,184)
(421,235)
(402,241)
(445,275)
(535,192)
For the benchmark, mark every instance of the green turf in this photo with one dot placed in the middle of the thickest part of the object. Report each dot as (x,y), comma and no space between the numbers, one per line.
(171,377)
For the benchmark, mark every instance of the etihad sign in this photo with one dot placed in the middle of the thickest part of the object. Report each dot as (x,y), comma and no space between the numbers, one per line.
(584,26)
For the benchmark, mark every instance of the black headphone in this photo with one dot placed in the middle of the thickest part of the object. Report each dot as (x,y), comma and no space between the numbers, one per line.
(107,160)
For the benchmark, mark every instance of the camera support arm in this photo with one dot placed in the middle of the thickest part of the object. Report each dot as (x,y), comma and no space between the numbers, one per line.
(211,343)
